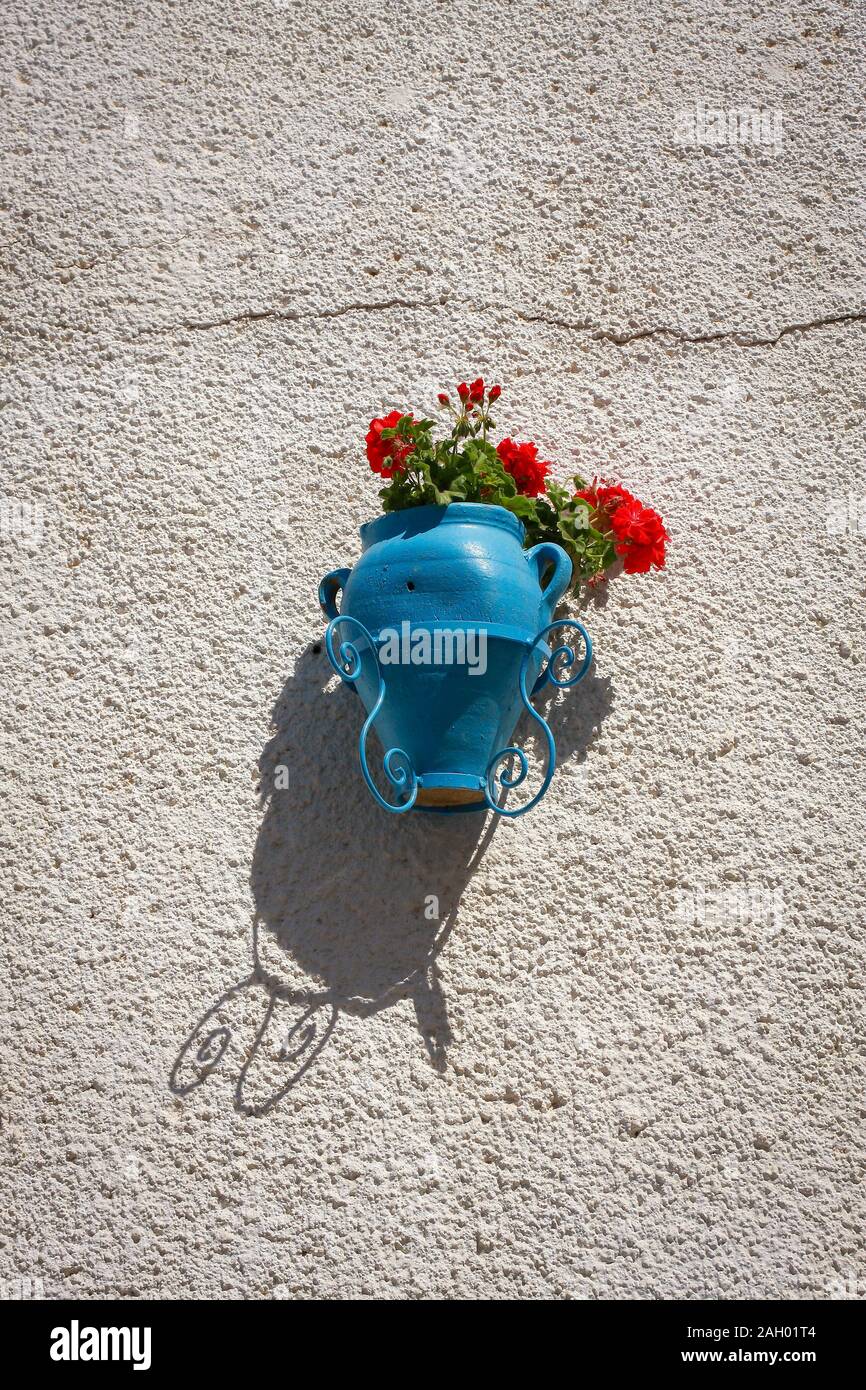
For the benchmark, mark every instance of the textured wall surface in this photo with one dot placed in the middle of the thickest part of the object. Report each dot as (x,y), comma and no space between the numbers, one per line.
(627,1059)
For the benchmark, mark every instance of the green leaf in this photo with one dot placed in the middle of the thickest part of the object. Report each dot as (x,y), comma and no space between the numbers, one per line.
(521,506)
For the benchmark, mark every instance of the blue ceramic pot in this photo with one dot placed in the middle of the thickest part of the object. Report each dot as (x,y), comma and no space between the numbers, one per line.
(441,629)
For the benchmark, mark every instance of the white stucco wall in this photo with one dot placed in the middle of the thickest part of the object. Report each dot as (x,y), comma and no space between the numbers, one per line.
(232,234)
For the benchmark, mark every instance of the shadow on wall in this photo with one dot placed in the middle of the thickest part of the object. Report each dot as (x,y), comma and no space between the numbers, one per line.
(353,906)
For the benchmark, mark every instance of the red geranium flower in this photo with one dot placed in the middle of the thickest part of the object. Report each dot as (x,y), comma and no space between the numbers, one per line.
(387,456)
(589,494)
(476,391)
(639,531)
(524,465)
(640,535)
(611,494)
(463,390)
(495,393)
(603,498)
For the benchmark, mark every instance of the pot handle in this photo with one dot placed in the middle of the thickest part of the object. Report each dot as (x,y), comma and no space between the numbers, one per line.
(547,553)
(328,590)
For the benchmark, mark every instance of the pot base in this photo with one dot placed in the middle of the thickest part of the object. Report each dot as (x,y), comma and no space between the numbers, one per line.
(438,798)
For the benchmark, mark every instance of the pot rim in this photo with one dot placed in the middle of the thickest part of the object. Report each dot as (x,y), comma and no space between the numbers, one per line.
(425,518)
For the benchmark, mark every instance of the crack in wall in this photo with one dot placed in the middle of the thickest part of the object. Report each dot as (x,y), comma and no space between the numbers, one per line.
(736,336)
(294,316)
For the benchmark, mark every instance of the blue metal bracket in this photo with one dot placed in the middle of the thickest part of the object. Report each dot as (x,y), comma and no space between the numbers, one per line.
(567,657)
(348,666)
(347,661)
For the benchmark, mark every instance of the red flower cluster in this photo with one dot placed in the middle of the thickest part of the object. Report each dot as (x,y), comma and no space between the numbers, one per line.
(524,465)
(639,531)
(387,456)
(472,395)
